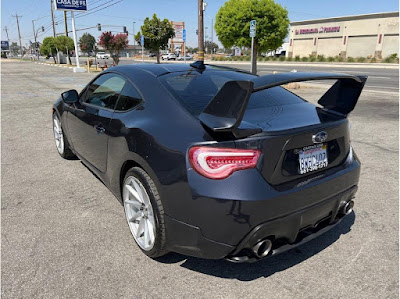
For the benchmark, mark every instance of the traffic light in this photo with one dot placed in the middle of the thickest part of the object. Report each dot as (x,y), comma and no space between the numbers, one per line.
(197,32)
(124,29)
(99,26)
(42,28)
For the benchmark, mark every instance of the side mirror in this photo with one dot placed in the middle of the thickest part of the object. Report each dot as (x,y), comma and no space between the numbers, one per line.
(70,96)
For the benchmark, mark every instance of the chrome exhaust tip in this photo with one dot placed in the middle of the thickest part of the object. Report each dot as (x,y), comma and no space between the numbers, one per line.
(262,248)
(348,208)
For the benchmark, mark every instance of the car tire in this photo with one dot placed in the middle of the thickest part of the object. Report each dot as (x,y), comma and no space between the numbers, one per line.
(61,140)
(144,212)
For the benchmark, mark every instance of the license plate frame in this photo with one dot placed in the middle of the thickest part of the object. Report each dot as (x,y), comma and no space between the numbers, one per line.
(312,158)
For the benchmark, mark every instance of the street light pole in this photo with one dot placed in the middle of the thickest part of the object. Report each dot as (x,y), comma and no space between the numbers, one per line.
(34,33)
(200,52)
(133,33)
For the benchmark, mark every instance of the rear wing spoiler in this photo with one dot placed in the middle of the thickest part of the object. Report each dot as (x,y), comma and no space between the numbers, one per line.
(225,112)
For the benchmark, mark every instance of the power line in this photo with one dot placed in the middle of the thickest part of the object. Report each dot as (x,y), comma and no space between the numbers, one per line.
(99,9)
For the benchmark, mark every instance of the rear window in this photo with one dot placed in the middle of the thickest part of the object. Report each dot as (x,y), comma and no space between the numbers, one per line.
(195,90)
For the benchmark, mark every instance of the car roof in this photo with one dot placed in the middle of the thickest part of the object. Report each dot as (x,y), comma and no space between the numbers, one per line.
(165,68)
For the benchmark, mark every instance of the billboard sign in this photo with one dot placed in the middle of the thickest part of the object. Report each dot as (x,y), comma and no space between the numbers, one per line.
(178,28)
(4,45)
(184,35)
(70,5)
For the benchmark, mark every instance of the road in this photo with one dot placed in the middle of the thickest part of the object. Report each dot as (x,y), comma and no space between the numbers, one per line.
(381,77)
(64,234)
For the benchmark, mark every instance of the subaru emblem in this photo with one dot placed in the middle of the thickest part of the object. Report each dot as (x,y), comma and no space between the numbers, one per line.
(320,137)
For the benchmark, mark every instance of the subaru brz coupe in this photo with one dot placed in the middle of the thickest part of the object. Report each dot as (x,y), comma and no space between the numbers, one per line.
(215,162)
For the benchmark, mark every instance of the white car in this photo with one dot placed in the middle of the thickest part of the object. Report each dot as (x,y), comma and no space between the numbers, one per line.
(102,55)
(168,56)
(188,57)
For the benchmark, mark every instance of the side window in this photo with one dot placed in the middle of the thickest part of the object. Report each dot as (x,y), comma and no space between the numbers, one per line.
(129,98)
(104,91)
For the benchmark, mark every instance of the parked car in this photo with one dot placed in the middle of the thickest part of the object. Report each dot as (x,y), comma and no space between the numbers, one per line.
(152,55)
(102,55)
(168,56)
(215,162)
(188,57)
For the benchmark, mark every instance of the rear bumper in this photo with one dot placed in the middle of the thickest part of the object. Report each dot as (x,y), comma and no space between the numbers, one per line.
(286,232)
(209,225)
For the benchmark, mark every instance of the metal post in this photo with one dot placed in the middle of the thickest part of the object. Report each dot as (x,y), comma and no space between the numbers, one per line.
(184,51)
(77,68)
(142,53)
(212,37)
(252,55)
(200,29)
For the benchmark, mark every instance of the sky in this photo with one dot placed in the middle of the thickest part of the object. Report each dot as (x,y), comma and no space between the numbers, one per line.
(111,13)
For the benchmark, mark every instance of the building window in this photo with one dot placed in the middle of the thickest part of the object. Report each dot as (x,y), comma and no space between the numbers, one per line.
(344,40)
(380,38)
(315,41)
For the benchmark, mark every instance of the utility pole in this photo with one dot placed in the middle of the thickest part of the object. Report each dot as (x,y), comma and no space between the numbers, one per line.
(66,34)
(6,29)
(19,33)
(200,26)
(133,33)
(34,34)
(52,18)
(212,37)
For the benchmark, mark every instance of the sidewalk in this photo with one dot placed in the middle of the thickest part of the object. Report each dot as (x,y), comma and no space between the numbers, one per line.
(284,63)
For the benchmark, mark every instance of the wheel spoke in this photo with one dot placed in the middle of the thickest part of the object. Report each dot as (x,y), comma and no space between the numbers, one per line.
(150,230)
(135,216)
(138,190)
(134,203)
(134,193)
(146,233)
(140,228)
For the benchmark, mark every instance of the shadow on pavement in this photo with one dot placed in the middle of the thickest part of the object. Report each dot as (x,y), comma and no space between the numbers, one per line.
(263,268)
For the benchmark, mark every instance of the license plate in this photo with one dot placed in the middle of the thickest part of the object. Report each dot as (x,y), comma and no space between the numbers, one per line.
(312,158)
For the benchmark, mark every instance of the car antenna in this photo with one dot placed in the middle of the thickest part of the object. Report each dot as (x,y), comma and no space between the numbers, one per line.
(199,64)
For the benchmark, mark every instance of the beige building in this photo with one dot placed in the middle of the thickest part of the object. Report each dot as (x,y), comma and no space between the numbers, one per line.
(371,35)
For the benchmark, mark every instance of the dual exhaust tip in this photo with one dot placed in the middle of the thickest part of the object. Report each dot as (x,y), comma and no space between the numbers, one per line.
(263,248)
(347,208)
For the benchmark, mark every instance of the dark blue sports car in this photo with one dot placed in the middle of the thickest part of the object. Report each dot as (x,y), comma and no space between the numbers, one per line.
(215,162)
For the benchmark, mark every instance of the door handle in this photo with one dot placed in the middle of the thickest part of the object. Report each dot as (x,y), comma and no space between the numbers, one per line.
(100,129)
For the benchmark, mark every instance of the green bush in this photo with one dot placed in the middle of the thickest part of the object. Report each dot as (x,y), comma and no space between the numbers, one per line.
(331,59)
(321,58)
(361,59)
(289,59)
(391,58)
(274,58)
(312,58)
(339,59)
(350,59)
(247,58)
(305,59)
(373,60)
(267,58)
(282,58)
(297,58)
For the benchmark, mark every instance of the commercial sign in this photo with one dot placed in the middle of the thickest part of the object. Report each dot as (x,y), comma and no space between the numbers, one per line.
(318,30)
(184,35)
(4,45)
(72,5)
(178,28)
(142,40)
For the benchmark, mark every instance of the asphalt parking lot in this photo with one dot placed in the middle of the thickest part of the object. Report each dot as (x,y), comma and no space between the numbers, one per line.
(64,234)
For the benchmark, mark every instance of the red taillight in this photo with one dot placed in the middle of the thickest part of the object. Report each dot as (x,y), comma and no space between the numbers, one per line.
(219,163)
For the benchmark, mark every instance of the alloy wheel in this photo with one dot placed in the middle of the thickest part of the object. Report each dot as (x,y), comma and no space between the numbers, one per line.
(139,213)
(58,134)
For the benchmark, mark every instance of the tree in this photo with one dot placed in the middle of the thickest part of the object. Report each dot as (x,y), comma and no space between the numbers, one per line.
(14,48)
(210,46)
(156,34)
(232,25)
(87,43)
(113,43)
(48,47)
